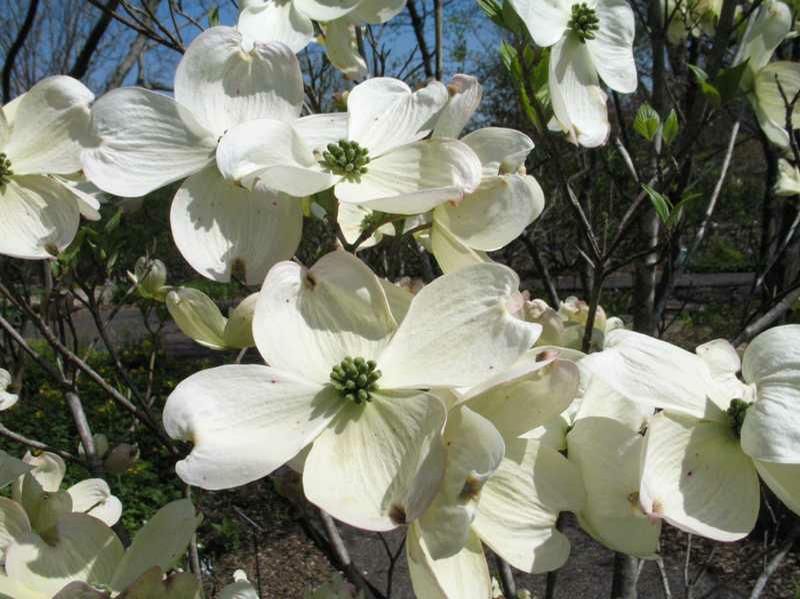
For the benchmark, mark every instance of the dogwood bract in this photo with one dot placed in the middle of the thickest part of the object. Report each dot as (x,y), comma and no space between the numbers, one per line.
(6,399)
(79,548)
(372,155)
(506,201)
(290,21)
(145,140)
(586,39)
(716,433)
(605,443)
(344,377)
(763,81)
(41,133)
(498,489)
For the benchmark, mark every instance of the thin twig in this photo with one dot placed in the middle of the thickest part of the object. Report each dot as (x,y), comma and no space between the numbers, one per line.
(33,444)
(506,577)
(775,562)
(342,555)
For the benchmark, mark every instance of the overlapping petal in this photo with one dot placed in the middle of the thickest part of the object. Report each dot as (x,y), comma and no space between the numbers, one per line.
(49,125)
(221,228)
(80,548)
(244,422)
(415,178)
(93,496)
(462,576)
(466,93)
(144,141)
(276,154)
(520,504)
(451,252)
(308,320)
(537,393)
(499,149)
(269,21)
(494,214)
(696,477)
(326,10)
(546,19)
(771,429)
(376,12)
(655,373)
(579,104)
(223,84)
(385,113)
(40,218)
(341,48)
(378,465)
(475,449)
(783,480)
(770,106)
(465,312)
(611,48)
(608,454)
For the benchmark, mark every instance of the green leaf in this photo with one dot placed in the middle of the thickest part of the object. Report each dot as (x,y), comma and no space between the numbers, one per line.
(213,17)
(493,10)
(114,221)
(728,80)
(670,128)
(660,202)
(647,122)
(677,212)
(512,20)
(510,60)
(708,90)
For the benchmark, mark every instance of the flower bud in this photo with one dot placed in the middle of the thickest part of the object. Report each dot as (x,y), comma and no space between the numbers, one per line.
(100,446)
(197,316)
(239,330)
(537,311)
(121,458)
(150,274)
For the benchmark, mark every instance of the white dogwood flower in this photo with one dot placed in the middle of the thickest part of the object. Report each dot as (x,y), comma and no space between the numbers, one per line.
(716,434)
(763,81)
(290,22)
(41,133)
(372,155)
(507,199)
(6,399)
(145,140)
(586,40)
(39,492)
(79,549)
(346,381)
(605,443)
(498,489)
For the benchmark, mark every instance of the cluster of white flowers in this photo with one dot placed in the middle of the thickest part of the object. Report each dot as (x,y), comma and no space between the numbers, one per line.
(464,412)
(59,543)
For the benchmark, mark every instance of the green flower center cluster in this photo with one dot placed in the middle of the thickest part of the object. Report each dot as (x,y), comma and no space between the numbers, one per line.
(736,412)
(5,169)
(355,379)
(584,22)
(346,159)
